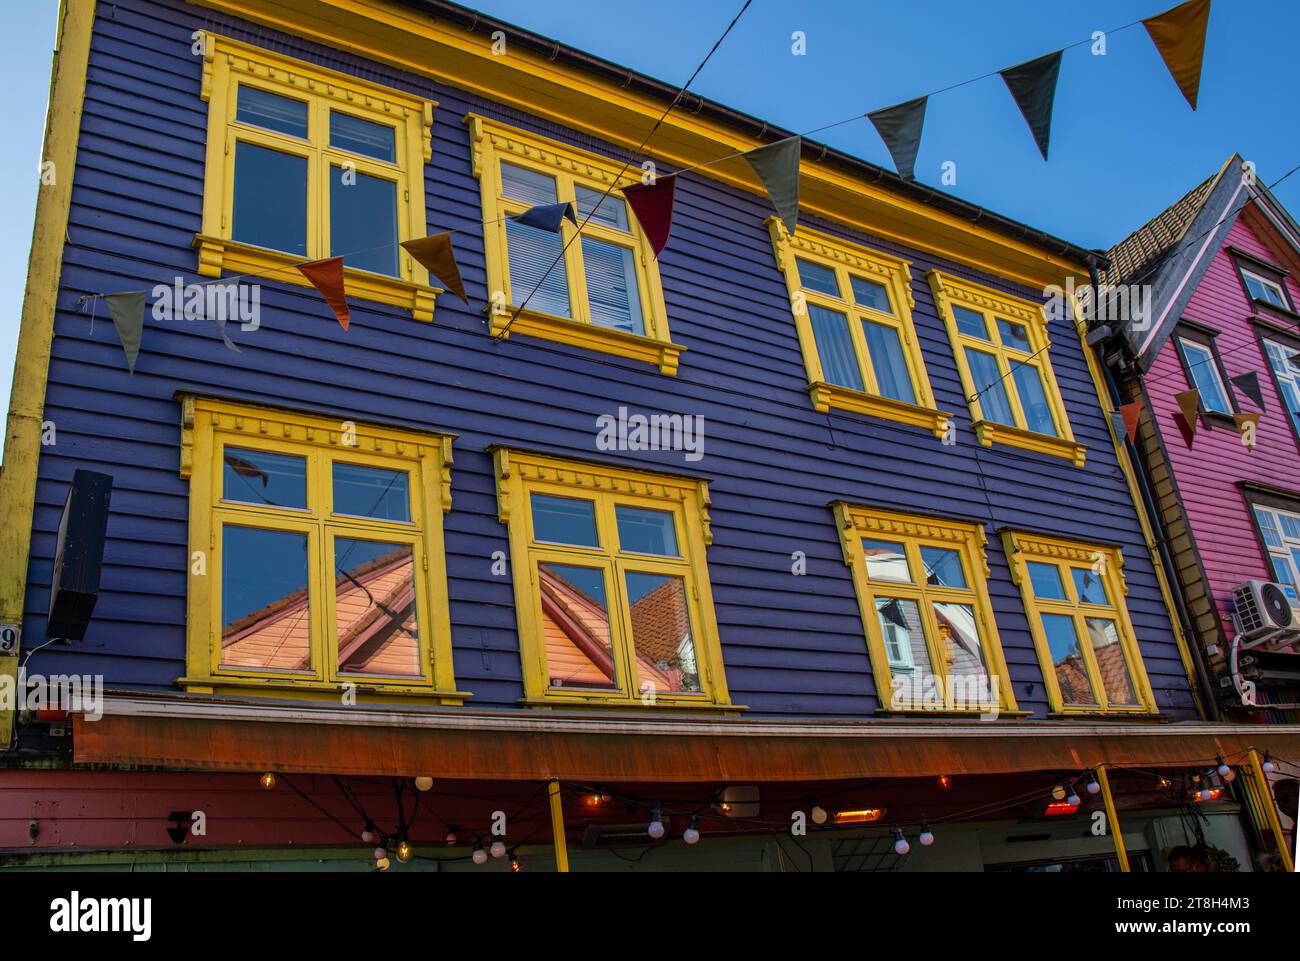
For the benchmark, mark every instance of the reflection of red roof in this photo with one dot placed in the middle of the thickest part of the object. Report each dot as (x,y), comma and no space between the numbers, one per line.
(375,616)
(1073,678)
(576,630)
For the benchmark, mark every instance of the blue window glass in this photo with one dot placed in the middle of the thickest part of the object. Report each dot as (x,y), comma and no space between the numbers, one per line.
(990,387)
(835,347)
(612,290)
(564,520)
(363,221)
(819,278)
(265,622)
(870,293)
(971,322)
(363,136)
(1205,376)
(1071,670)
(1013,335)
(888,362)
(1046,581)
(372,492)
(272,112)
(270,204)
(943,567)
(644,531)
(1089,586)
(261,477)
(1033,399)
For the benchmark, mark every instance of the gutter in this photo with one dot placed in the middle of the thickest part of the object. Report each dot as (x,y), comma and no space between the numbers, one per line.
(472,21)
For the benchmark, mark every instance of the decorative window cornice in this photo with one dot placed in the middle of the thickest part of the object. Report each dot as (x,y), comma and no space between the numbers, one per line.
(856,522)
(952,290)
(851,255)
(1022,546)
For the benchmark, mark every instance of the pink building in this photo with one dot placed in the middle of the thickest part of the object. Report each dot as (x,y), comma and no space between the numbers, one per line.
(1206,298)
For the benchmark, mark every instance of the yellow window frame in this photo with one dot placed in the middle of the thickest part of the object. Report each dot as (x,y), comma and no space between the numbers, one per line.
(949,292)
(208,426)
(856,522)
(521,474)
(847,260)
(492,142)
(228,65)
(1104,562)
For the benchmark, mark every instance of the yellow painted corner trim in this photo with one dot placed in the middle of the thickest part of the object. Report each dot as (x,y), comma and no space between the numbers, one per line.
(436,48)
(1105,562)
(970,540)
(207,426)
(229,64)
(36,325)
(849,260)
(950,292)
(521,473)
(570,167)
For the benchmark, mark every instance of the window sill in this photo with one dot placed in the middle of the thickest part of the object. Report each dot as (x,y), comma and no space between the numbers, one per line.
(319,690)
(949,713)
(663,354)
(990,433)
(660,704)
(825,396)
(1115,714)
(218,255)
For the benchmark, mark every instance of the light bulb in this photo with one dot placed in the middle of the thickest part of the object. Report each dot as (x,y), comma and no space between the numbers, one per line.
(1206,793)
(1268,765)
(945,782)
(498,848)
(1231,775)
(819,814)
(382,864)
(656,827)
(1073,799)
(479,856)
(515,866)
(901,846)
(423,783)
(404,850)
(1058,792)
(1093,785)
(451,837)
(1224,770)
(692,833)
(381,853)
(268,780)
(368,834)
(927,836)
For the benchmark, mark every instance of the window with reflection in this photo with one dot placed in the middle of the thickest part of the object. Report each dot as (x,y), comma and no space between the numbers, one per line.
(323,552)
(1074,597)
(929,623)
(612,585)
(1201,364)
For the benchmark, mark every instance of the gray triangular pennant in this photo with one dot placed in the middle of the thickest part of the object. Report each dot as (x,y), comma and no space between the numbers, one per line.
(127,310)
(1033,84)
(900,128)
(777,165)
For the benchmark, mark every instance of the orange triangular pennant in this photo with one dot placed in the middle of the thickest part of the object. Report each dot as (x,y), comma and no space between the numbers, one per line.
(1189,402)
(1131,413)
(1179,35)
(437,256)
(1247,425)
(327,277)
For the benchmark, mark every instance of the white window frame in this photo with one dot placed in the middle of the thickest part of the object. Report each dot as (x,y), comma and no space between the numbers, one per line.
(1249,275)
(1189,345)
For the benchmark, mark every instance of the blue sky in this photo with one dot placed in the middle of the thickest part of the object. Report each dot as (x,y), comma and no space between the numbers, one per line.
(1124,142)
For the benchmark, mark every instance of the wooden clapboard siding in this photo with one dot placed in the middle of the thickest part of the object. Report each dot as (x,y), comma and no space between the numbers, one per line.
(1208,520)
(792,645)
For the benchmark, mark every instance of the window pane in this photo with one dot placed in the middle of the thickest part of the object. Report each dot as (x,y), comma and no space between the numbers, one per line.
(888,362)
(913,682)
(971,322)
(531,252)
(990,387)
(1291,394)
(1112,665)
(611,211)
(643,531)
(270,205)
(869,293)
(1046,581)
(260,477)
(272,112)
(1071,671)
(1268,528)
(265,613)
(1290,526)
(372,492)
(968,676)
(1282,569)
(661,634)
(886,561)
(1090,587)
(943,567)
(363,221)
(818,277)
(835,347)
(1014,335)
(575,623)
(374,608)
(564,520)
(527,185)
(1265,290)
(1033,398)
(612,289)
(1205,377)
(362,136)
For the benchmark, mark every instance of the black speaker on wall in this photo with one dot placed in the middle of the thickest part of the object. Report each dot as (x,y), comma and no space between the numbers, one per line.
(79,555)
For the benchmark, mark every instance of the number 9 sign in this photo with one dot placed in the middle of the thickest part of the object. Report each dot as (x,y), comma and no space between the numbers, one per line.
(9,634)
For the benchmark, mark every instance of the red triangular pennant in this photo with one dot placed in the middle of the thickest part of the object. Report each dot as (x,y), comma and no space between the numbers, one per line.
(1131,414)
(327,277)
(653,206)
(1187,430)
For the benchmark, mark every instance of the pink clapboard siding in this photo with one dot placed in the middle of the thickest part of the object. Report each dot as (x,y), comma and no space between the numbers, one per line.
(1207,475)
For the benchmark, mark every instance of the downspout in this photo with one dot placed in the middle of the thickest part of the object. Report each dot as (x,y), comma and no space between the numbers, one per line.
(1208,694)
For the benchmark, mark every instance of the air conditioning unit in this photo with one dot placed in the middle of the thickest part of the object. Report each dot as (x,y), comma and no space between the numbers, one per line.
(1266,615)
